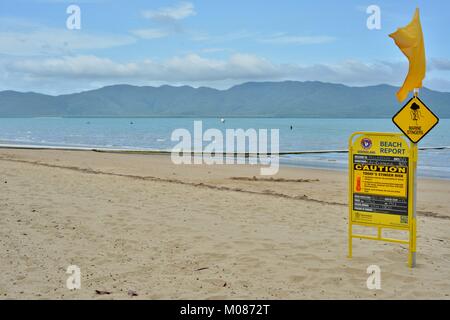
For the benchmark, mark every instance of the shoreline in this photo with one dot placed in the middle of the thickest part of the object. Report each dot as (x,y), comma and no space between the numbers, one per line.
(283,162)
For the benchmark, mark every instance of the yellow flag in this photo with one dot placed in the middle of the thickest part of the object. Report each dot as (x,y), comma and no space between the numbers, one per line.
(410,41)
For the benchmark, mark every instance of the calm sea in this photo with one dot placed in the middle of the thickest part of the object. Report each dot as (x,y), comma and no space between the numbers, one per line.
(155,133)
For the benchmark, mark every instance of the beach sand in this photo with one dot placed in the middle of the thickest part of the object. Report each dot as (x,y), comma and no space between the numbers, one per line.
(141,223)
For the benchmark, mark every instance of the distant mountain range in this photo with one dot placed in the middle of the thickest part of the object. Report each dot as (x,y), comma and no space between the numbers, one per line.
(253,99)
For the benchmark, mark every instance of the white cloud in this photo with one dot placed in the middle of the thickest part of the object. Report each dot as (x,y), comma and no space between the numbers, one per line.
(231,36)
(71,1)
(275,39)
(151,33)
(282,38)
(88,71)
(178,12)
(57,41)
(167,20)
(81,67)
(442,64)
(213,50)
(191,67)
(438,84)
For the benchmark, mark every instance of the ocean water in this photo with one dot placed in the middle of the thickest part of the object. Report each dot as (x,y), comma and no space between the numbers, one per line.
(155,134)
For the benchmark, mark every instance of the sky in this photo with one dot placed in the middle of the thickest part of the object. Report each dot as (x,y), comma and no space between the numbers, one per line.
(214,43)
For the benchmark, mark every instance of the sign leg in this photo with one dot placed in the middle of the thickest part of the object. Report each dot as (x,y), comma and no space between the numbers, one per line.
(412,248)
(350,243)
(413,228)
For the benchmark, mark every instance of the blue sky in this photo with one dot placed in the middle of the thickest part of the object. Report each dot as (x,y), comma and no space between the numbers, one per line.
(214,43)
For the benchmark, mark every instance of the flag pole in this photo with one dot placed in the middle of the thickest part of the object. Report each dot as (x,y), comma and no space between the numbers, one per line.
(413,230)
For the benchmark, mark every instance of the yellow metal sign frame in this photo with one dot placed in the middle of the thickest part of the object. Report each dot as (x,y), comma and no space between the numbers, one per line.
(411,226)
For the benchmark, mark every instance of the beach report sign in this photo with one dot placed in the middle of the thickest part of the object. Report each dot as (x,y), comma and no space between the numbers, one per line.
(382,170)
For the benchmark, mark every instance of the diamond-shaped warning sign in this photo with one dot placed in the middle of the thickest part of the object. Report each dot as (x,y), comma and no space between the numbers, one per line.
(415,120)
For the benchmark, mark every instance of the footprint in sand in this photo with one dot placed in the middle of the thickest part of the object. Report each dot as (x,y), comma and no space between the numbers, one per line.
(297,278)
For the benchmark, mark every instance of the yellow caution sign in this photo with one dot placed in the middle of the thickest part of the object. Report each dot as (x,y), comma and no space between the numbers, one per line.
(415,120)
(382,170)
